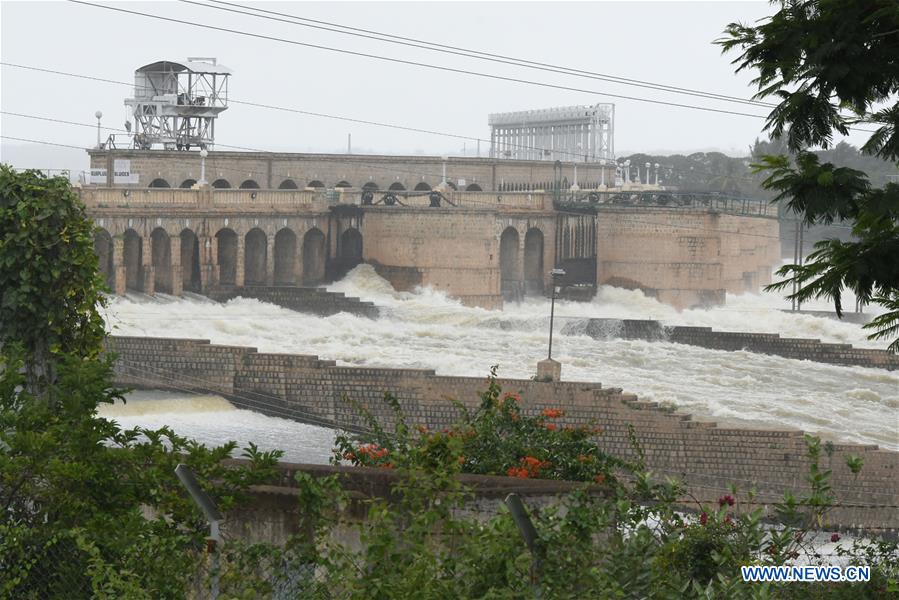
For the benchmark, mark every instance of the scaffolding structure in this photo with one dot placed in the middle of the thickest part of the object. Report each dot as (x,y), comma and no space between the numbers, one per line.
(175,104)
(570,134)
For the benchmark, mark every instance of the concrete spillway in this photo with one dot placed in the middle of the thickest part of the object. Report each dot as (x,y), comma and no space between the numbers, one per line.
(763,343)
(426,329)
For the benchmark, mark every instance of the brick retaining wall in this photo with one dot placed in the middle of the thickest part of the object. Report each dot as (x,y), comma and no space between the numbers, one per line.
(707,457)
(763,343)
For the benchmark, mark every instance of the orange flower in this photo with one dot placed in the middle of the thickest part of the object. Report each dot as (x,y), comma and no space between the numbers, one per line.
(517,472)
(387,466)
(551,426)
(461,460)
(552,413)
(510,395)
(599,478)
(349,456)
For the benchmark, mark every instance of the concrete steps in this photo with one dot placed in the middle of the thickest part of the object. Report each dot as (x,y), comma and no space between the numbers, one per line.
(317,301)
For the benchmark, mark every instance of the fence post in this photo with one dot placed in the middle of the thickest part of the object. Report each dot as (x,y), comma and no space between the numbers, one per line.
(213,516)
(531,538)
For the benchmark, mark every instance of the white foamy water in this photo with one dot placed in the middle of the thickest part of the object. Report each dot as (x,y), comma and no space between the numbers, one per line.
(212,420)
(426,329)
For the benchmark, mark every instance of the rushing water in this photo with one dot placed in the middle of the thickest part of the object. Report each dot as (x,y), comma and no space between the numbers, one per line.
(426,329)
(212,420)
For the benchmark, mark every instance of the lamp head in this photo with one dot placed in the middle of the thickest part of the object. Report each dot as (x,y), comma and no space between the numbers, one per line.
(98,114)
(204,153)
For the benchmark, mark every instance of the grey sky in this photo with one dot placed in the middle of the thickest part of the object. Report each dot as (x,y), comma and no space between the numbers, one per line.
(664,42)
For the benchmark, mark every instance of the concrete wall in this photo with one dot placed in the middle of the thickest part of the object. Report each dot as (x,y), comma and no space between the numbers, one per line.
(685,257)
(706,456)
(270,170)
(763,343)
(273,515)
(173,240)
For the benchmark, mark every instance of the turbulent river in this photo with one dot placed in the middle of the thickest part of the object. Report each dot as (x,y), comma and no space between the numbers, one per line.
(426,329)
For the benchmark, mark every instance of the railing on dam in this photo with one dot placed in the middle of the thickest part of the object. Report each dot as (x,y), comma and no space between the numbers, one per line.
(451,198)
(314,199)
(593,201)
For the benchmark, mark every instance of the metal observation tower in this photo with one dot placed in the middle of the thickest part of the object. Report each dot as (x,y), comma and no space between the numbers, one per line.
(569,134)
(175,104)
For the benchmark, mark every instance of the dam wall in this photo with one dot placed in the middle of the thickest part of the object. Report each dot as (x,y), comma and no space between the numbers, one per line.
(706,456)
(685,258)
(762,343)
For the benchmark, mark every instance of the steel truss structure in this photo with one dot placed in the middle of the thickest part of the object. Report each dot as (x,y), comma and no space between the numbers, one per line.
(175,104)
(569,134)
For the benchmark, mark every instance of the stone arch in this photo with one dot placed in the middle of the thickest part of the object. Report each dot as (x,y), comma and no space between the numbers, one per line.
(255,257)
(343,184)
(103,248)
(285,257)
(509,264)
(159,182)
(188,183)
(313,257)
(288,184)
(190,261)
(473,187)
(132,257)
(422,186)
(249,184)
(533,261)
(397,187)
(315,183)
(351,246)
(221,184)
(370,186)
(161,259)
(226,249)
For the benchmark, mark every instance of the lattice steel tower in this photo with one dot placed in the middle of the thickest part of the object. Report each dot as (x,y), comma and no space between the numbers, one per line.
(175,104)
(569,133)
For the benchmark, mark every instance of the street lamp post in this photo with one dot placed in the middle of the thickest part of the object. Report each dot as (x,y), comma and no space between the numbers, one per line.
(99,116)
(549,369)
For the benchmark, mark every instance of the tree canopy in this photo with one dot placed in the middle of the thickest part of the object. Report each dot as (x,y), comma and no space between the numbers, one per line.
(832,66)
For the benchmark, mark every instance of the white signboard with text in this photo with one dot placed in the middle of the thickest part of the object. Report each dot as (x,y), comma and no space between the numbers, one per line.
(122,174)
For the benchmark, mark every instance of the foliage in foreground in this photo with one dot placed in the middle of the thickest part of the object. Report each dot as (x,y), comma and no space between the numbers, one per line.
(627,538)
(90,509)
(87,509)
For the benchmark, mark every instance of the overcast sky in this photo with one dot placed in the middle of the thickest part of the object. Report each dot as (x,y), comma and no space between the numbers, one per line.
(662,42)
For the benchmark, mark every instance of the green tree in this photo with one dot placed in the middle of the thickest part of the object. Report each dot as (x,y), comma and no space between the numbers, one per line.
(832,66)
(87,509)
(49,280)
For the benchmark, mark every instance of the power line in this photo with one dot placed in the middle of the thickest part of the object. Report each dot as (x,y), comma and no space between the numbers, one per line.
(416,63)
(476,54)
(307,113)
